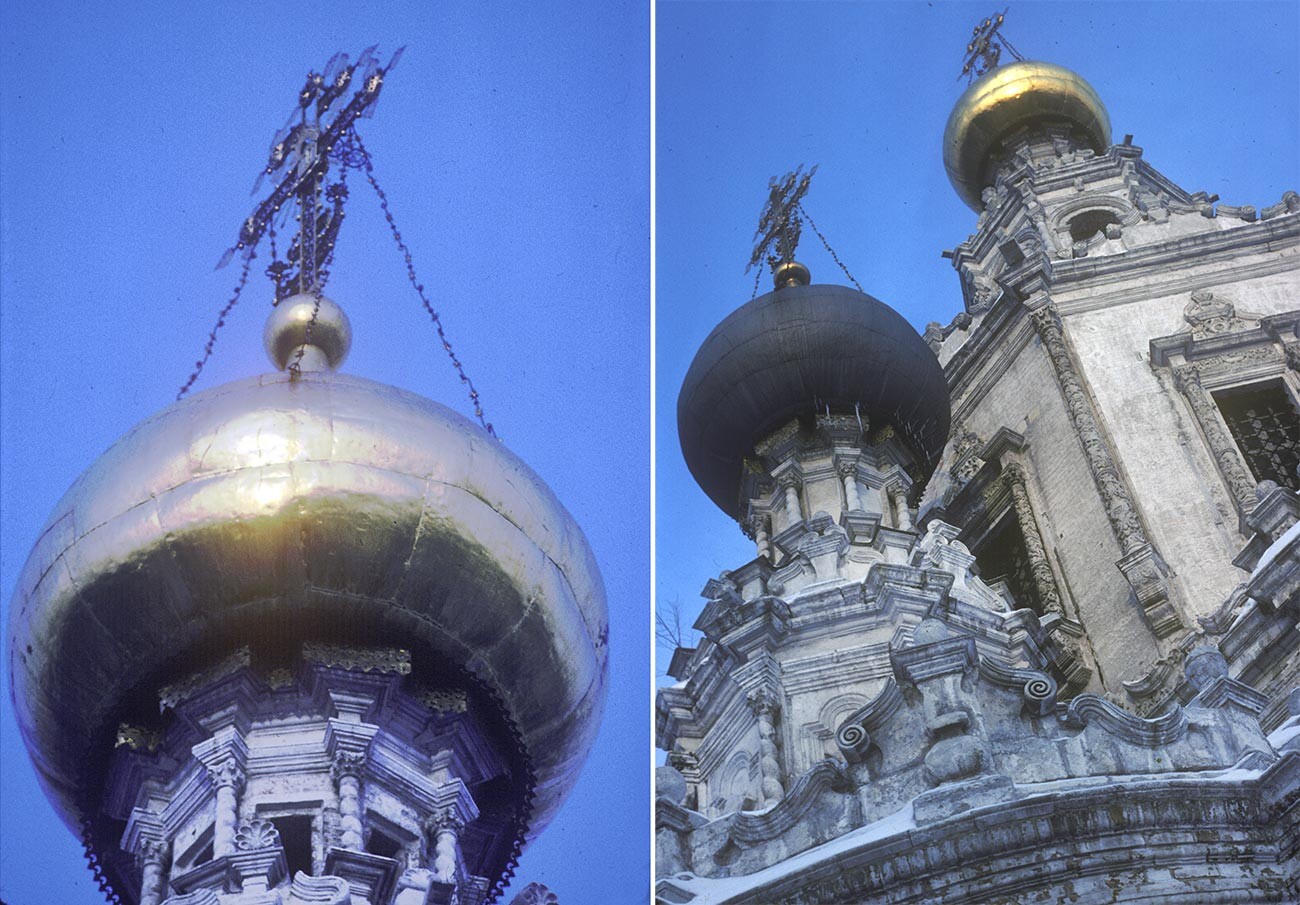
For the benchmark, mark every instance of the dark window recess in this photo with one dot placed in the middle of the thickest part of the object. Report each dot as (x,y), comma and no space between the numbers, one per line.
(383,845)
(200,852)
(1002,555)
(1264,422)
(1086,225)
(295,838)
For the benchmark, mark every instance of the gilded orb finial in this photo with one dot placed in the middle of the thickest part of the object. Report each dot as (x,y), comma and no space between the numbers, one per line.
(307,332)
(1024,94)
(790,273)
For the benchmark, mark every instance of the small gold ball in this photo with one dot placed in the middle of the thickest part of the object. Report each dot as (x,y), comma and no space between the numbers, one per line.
(325,343)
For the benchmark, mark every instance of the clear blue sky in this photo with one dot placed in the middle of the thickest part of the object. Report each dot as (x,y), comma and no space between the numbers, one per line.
(749,90)
(514,144)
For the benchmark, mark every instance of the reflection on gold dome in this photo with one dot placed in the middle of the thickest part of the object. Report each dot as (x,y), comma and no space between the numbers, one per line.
(1006,99)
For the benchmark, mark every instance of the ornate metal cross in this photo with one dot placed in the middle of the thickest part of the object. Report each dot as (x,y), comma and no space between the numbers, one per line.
(302,150)
(985,48)
(779,222)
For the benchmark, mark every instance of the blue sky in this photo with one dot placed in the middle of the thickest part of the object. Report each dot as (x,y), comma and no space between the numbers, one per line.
(514,145)
(746,91)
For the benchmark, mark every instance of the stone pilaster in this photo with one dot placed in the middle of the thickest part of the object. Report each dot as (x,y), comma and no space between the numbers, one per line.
(1188,380)
(1139,564)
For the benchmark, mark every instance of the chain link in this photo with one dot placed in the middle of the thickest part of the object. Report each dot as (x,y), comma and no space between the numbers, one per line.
(836,258)
(221,321)
(368,166)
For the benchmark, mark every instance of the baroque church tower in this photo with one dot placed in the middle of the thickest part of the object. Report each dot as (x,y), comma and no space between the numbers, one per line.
(304,637)
(1020,620)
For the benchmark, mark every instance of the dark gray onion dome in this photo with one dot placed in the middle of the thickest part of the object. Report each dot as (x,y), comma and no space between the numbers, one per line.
(789,354)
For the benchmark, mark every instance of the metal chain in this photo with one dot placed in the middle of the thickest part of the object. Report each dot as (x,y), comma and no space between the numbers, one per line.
(836,258)
(221,321)
(295,366)
(758,275)
(368,166)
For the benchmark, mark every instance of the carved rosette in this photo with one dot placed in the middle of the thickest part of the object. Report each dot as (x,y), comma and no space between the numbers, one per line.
(1188,380)
(1138,563)
(765,706)
(256,834)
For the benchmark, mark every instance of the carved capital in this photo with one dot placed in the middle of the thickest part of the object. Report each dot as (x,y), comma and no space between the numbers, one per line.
(788,481)
(445,820)
(754,525)
(846,468)
(348,763)
(763,702)
(227,774)
(154,851)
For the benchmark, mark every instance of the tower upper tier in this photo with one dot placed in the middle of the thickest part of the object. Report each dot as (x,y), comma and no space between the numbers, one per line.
(791,354)
(1005,100)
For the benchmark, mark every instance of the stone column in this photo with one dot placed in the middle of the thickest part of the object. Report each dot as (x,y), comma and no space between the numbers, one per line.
(790,484)
(848,470)
(153,859)
(765,707)
(1044,580)
(443,830)
(1188,380)
(758,529)
(1139,565)
(228,779)
(224,755)
(347,770)
(898,503)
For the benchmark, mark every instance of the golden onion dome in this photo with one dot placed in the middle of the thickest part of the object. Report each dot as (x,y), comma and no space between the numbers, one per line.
(1006,99)
(300,507)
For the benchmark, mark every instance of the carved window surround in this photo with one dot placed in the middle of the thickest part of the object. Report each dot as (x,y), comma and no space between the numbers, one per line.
(994,485)
(1220,352)
(1140,564)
